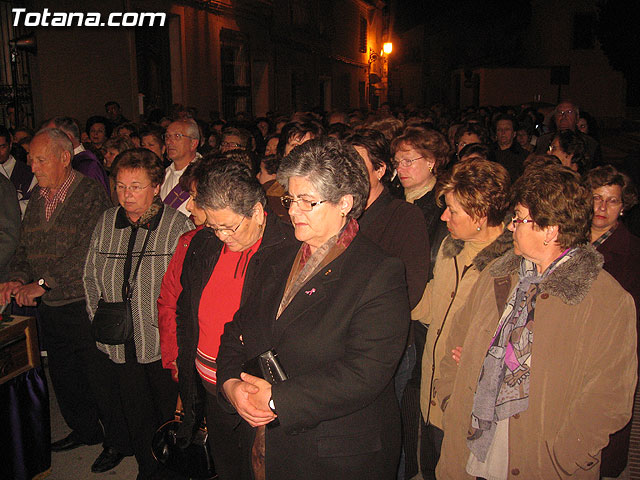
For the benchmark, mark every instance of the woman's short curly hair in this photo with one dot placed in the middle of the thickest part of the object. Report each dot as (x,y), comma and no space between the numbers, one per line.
(139,159)
(425,141)
(333,167)
(555,196)
(608,175)
(481,187)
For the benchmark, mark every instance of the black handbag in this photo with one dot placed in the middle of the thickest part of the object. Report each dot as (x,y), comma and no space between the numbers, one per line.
(267,366)
(113,321)
(194,461)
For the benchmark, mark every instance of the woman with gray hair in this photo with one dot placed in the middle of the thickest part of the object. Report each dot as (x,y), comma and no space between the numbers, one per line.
(221,258)
(337,313)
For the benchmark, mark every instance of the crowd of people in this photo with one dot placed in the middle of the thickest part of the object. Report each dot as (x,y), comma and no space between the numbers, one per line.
(396,263)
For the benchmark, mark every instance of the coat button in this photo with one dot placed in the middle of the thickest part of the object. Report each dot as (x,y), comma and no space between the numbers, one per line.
(516,416)
(544,296)
(515,471)
(433,402)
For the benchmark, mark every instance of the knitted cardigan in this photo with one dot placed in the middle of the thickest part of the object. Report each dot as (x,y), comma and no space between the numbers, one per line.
(104,272)
(55,250)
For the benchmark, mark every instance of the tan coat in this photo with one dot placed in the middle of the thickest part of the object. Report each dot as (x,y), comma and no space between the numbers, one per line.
(457,269)
(583,370)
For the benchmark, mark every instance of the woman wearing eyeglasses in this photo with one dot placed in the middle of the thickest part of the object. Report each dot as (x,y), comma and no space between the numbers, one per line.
(613,194)
(548,363)
(221,259)
(336,312)
(419,154)
(134,370)
(476,196)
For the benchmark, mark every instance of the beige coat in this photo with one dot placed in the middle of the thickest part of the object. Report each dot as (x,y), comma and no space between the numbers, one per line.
(583,370)
(454,276)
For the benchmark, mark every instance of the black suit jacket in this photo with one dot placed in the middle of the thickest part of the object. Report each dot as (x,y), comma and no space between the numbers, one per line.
(339,341)
(200,260)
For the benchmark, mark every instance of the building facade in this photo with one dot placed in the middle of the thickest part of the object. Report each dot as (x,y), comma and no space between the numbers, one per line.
(222,57)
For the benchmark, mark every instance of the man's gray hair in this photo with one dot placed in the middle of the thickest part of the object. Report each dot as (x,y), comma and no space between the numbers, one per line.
(59,140)
(192,127)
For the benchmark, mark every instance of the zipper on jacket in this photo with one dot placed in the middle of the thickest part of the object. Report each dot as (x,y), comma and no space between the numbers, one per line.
(439,333)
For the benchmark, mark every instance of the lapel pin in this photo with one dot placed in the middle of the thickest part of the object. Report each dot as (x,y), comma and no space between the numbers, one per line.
(310,292)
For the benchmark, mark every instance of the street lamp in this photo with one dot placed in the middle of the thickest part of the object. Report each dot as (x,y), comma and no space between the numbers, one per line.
(387,48)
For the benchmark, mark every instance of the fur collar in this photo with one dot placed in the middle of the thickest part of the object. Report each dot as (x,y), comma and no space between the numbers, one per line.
(570,282)
(452,247)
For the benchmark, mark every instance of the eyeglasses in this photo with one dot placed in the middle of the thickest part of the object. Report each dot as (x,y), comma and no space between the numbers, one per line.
(609,202)
(304,205)
(405,162)
(121,187)
(230,145)
(175,136)
(226,232)
(517,221)
(562,113)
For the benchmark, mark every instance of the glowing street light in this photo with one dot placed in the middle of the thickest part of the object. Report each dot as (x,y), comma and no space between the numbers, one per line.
(387,48)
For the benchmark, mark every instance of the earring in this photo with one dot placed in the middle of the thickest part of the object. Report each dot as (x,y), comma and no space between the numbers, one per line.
(431,169)
(545,243)
(478,228)
(621,213)
(342,214)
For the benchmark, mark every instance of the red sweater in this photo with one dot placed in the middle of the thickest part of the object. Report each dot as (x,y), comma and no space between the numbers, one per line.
(219,302)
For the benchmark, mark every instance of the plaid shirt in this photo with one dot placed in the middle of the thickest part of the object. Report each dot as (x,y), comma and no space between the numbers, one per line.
(52,201)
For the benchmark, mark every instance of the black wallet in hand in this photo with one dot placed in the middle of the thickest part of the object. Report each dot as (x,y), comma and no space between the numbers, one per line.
(267,366)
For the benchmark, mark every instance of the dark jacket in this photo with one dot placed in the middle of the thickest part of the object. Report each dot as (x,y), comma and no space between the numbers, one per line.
(621,253)
(436,228)
(9,224)
(199,262)
(400,230)
(512,159)
(339,341)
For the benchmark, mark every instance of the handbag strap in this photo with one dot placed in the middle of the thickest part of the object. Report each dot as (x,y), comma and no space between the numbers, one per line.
(127,288)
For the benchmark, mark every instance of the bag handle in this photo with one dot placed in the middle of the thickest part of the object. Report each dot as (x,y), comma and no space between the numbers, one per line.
(127,288)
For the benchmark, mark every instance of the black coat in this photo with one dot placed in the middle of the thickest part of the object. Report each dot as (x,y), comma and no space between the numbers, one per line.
(339,341)
(400,230)
(199,262)
(621,253)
